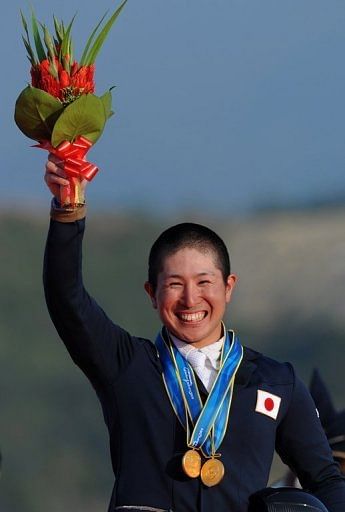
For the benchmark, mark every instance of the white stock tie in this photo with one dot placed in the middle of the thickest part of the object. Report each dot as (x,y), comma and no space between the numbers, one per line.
(197,360)
(205,361)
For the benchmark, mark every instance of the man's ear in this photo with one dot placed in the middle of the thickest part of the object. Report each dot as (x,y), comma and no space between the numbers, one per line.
(231,281)
(149,290)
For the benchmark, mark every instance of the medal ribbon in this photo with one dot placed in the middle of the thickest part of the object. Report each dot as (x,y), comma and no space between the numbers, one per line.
(209,420)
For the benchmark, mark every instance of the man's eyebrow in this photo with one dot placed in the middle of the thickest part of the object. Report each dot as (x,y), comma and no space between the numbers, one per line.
(199,274)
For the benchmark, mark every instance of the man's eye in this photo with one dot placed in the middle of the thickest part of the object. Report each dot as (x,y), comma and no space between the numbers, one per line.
(204,281)
(174,285)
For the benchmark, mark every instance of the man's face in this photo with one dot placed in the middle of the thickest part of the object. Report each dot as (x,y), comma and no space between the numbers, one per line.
(191,296)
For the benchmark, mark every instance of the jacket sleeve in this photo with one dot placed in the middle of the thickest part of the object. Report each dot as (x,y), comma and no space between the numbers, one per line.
(98,346)
(303,446)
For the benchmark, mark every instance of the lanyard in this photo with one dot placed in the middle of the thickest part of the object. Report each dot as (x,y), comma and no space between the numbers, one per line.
(209,421)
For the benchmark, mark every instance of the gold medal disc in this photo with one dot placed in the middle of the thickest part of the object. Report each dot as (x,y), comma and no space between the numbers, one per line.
(212,472)
(191,463)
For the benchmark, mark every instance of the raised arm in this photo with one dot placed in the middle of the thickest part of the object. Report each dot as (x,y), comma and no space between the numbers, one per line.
(98,346)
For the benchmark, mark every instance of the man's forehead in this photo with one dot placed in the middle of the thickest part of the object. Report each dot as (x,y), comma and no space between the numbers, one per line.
(190,261)
(190,253)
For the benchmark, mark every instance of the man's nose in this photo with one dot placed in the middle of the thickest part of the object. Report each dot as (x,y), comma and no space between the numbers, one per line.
(190,295)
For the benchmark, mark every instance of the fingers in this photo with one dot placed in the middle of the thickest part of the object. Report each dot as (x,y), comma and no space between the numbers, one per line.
(53,158)
(55,174)
(53,179)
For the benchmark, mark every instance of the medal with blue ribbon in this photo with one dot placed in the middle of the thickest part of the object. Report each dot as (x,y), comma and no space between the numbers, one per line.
(205,424)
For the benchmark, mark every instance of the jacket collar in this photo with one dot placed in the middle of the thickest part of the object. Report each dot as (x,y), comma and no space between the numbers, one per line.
(247,366)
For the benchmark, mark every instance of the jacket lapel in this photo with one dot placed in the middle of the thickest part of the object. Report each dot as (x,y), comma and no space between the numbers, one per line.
(247,367)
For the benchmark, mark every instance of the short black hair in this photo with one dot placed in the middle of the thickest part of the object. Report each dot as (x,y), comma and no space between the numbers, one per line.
(180,236)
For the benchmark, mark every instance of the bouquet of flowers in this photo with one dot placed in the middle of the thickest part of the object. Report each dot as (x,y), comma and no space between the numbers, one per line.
(59,109)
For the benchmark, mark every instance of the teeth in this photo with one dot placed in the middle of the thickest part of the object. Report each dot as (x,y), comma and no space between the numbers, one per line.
(192,317)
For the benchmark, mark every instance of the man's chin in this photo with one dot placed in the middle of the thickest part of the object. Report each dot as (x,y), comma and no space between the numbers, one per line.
(190,331)
(189,337)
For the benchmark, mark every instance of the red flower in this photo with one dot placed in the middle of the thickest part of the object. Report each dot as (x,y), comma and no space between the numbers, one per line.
(41,78)
(83,79)
(64,78)
(64,86)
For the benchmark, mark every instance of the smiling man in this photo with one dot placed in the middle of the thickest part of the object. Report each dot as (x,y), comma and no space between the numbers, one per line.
(190,283)
(195,417)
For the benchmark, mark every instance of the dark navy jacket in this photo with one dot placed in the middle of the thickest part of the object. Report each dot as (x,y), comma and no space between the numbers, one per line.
(146,439)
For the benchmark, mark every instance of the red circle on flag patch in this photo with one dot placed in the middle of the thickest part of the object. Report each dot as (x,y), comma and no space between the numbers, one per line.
(269,404)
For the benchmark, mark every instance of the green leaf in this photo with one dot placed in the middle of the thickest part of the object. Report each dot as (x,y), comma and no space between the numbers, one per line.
(85,116)
(36,113)
(58,29)
(65,44)
(48,40)
(27,42)
(89,41)
(37,38)
(53,69)
(31,55)
(106,100)
(25,25)
(97,45)
(71,53)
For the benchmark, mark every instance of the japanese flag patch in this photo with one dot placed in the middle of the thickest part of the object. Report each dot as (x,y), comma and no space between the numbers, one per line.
(267,404)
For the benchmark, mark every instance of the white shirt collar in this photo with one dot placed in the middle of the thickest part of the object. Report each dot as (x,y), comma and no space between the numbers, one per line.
(212,351)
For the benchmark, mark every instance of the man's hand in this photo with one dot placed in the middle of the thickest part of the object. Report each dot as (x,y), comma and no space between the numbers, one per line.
(55,176)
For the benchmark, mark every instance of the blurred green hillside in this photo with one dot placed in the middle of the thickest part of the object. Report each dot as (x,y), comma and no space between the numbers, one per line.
(289,303)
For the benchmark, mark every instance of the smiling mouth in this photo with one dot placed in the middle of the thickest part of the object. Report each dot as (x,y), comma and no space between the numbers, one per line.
(192,317)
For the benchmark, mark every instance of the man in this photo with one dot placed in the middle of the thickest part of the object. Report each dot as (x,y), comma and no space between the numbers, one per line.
(185,436)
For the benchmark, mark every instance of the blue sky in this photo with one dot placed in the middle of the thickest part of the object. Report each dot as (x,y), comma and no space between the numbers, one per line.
(221,105)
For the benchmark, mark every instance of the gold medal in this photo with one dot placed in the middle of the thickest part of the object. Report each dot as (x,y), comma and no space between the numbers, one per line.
(191,463)
(212,472)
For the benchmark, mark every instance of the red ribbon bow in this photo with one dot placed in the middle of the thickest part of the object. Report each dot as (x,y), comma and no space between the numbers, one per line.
(76,166)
